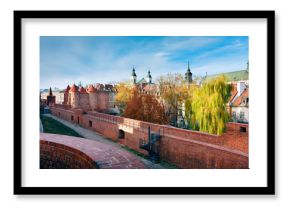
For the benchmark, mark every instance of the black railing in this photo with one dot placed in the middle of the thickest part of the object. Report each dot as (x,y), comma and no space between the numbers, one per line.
(152,145)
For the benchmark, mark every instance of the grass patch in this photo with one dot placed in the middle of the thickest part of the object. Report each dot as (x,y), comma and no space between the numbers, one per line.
(53,126)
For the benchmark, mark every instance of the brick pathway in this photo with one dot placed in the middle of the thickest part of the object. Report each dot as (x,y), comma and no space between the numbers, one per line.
(114,152)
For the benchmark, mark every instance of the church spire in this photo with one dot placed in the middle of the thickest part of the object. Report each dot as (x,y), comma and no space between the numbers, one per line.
(149,77)
(133,72)
(50,92)
(133,76)
(188,74)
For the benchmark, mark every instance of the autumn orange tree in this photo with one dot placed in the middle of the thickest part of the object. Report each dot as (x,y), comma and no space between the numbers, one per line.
(123,93)
(145,107)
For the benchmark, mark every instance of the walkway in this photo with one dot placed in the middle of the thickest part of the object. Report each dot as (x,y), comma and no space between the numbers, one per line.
(40,126)
(112,149)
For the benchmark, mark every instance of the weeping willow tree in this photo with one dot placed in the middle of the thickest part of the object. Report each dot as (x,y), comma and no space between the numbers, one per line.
(189,112)
(209,112)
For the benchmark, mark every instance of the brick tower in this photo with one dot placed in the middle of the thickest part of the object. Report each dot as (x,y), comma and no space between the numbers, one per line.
(66,95)
(92,97)
(74,96)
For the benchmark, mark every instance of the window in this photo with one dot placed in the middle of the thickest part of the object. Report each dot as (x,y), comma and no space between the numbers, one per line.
(72,118)
(246,101)
(243,129)
(90,123)
(242,115)
(234,114)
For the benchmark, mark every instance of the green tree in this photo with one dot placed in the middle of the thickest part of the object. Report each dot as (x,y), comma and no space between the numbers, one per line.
(173,91)
(209,112)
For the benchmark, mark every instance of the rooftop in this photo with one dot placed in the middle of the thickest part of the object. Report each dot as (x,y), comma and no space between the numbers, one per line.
(233,76)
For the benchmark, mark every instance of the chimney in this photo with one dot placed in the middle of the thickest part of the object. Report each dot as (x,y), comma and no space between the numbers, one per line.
(241,86)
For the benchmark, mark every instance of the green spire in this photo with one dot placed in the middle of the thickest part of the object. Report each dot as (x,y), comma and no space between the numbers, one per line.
(133,72)
(149,75)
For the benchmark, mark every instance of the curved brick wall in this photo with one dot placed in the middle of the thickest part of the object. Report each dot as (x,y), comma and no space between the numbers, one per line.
(60,155)
(67,152)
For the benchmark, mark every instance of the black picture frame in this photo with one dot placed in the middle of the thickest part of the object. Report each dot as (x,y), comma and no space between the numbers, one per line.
(268,190)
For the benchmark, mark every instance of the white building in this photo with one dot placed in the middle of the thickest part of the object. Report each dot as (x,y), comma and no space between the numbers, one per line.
(59,95)
(239,102)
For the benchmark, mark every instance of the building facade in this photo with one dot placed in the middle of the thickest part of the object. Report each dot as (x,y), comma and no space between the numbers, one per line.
(239,102)
(59,95)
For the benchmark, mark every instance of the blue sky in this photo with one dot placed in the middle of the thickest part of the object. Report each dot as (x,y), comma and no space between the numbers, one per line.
(102,59)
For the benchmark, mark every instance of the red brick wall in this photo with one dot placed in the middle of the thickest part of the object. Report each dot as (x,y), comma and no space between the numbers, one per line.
(188,153)
(103,100)
(184,148)
(60,156)
(63,106)
(235,138)
(65,98)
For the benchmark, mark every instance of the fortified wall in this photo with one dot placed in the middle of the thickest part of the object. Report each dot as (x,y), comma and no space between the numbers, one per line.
(184,148)
(93,98)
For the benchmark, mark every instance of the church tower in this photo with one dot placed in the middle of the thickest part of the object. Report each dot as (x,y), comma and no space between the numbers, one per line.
(133,77)
(188,75)
(149,77)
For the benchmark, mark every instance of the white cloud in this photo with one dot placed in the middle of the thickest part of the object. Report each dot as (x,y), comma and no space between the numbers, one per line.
(185,43)
(161,54)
